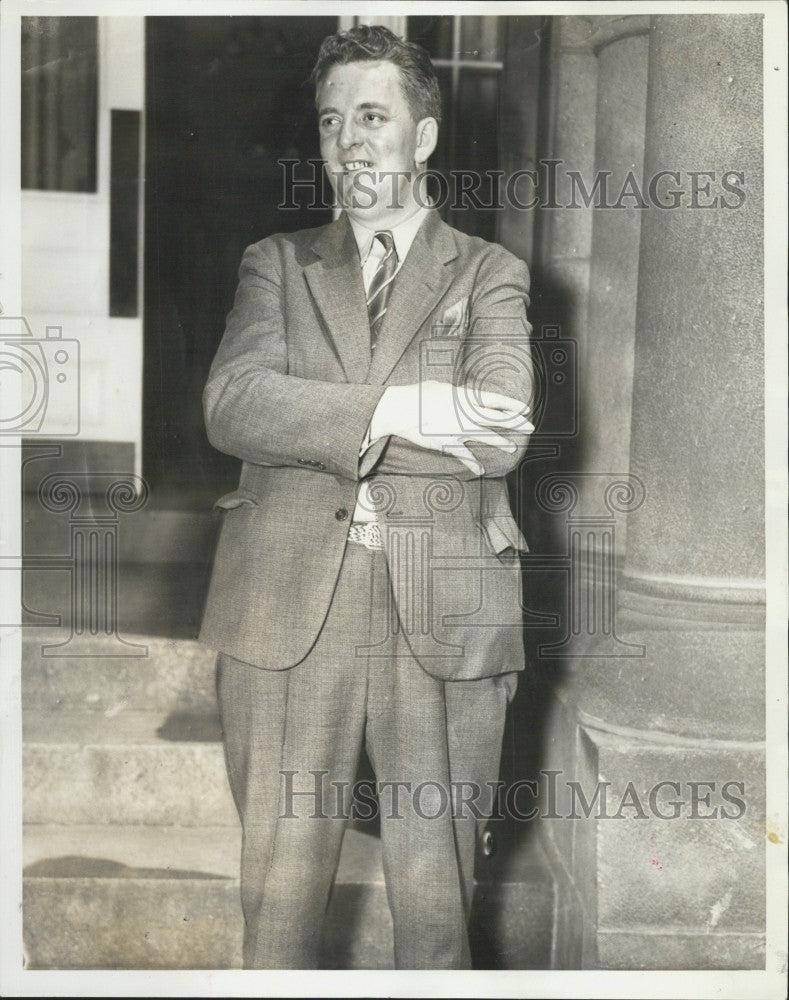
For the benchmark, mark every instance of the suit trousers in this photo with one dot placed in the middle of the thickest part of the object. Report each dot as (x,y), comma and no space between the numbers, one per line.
(293,739)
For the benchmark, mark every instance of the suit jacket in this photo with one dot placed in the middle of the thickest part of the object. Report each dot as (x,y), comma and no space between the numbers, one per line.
(291,392)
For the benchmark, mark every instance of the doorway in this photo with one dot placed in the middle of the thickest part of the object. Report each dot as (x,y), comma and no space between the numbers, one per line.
(226,98)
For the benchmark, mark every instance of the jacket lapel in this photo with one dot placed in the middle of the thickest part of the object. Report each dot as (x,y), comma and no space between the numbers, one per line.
(418,287)
(335,280)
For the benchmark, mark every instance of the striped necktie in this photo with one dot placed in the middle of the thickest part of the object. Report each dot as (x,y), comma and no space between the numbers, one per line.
(381,285)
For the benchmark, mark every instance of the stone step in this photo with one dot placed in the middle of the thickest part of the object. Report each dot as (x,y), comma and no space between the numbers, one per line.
(128,767)
(132,842)
(157,598)
(152,534)
(123,897)
(171,675)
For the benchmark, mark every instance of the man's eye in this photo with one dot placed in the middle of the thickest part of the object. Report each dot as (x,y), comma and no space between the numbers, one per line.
(373,118)
(329,122)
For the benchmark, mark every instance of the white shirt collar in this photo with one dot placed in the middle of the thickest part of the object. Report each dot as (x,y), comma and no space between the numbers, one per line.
(404,234)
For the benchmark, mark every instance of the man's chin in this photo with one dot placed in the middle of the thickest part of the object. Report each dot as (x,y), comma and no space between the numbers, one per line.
(364,200)
(372,211)
(364,213)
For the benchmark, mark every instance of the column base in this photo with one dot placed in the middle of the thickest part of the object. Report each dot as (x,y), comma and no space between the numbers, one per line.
(655,826)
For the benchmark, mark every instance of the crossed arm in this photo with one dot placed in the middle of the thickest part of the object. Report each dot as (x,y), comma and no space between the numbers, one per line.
(257,411)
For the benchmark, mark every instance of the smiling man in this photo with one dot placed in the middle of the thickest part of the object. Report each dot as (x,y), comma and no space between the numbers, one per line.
(374,377)
(372,140)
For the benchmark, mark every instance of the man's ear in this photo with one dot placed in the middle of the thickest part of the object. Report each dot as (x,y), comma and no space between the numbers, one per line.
(426,139)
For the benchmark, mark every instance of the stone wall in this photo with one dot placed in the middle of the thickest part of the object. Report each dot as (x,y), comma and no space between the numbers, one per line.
(660,675)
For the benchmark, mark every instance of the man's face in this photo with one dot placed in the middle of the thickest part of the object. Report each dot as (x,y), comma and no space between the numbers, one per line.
(366,131)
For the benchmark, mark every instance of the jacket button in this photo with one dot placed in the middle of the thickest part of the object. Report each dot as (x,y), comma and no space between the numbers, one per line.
(341,514)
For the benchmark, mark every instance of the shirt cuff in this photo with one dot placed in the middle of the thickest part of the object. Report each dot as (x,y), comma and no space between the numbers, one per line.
(369,439)
(366,442)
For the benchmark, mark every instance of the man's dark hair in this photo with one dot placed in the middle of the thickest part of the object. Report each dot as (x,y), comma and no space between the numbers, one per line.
(371,43)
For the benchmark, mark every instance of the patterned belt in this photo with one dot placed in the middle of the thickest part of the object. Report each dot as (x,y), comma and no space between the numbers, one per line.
(366,533)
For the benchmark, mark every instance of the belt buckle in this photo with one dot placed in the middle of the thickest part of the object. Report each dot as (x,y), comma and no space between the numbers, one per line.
(368,534)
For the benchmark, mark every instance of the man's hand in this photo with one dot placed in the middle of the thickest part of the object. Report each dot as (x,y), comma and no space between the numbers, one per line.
(445,418)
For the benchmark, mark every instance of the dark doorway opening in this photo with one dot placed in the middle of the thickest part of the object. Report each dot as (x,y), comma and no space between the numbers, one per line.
(226,99)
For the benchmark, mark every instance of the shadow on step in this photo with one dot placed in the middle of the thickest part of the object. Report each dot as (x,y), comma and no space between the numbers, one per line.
(76,866)
(184,727)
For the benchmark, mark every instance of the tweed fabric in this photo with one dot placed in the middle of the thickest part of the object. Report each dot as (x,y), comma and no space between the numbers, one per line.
(291,392)
(315,717)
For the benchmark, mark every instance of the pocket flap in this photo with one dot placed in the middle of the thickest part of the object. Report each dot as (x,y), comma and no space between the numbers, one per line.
(238,498)
(503,533)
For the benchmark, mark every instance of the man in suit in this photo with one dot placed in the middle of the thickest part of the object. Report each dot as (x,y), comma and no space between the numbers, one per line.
(374,377)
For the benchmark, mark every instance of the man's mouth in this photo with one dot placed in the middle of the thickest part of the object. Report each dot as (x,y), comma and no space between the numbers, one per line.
(357,165)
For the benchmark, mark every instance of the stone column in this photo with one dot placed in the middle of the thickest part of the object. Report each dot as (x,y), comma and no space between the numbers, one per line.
(561,272)
(567,235)
(585,288)
(698,414)
(606,380)
(518,132)
(671,875)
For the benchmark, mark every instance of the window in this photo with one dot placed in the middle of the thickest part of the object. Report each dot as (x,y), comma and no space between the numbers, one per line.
(467,53)
(59,102)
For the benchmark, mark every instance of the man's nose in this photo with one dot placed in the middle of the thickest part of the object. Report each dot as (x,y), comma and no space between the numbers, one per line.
(349,134)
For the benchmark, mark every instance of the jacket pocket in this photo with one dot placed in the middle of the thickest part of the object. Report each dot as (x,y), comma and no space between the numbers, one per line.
(238,498)
(504,536)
